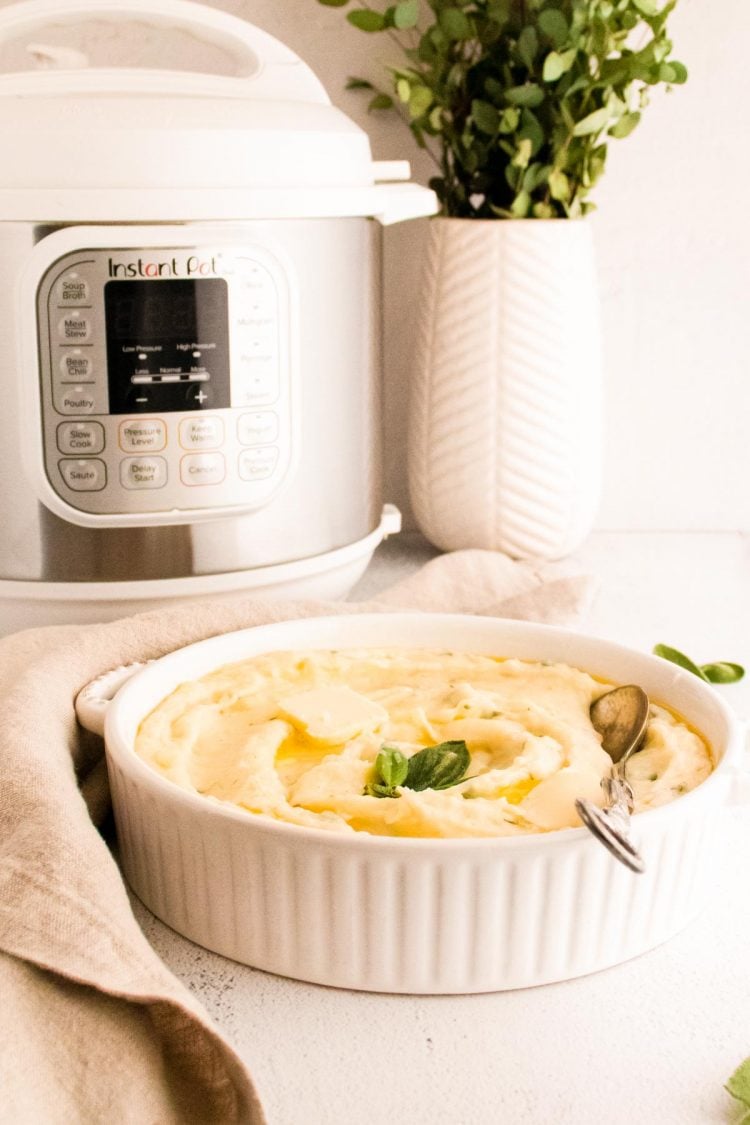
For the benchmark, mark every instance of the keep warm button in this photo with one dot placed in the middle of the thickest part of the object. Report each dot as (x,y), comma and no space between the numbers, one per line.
(202,468)
(143,472)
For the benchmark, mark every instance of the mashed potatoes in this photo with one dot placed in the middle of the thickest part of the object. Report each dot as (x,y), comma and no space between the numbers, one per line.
(296,735)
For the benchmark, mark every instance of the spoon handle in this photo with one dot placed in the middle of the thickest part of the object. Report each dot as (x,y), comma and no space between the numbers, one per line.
(611,825)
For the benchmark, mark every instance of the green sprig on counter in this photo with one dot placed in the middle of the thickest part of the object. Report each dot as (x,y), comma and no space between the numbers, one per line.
(720,672)
(739,1087)
(433,767)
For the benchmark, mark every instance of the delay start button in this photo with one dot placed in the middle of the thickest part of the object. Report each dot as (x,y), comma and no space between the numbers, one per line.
(202,468)
(143,472)
(142,434)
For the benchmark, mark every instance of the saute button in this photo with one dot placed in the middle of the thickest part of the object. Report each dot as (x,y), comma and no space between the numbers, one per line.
(202,468)
(72,290)
(74,327)
(201,432)
(80,437)
(76,365)
(142,434)
(84,476)
(259,428)
(258,464)
(143,472)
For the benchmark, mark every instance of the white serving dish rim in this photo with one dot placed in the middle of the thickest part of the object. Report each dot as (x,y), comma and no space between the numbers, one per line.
(119,744)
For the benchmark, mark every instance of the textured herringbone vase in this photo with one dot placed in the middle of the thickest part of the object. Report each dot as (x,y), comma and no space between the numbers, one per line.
(505,425)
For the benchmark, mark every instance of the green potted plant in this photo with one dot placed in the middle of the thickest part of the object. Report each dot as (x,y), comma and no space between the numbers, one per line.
(516,101)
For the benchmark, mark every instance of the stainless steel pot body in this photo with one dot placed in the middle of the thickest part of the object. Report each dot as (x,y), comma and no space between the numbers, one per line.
(331,495)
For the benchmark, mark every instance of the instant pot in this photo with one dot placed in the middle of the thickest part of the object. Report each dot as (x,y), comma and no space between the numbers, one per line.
(190,312)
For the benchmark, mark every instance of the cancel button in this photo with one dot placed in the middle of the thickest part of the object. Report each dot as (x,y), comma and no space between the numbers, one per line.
(143,472)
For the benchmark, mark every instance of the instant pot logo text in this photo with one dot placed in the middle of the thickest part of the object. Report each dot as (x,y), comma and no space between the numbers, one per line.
(193,266)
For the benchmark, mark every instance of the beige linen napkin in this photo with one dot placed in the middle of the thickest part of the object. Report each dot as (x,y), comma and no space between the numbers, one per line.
(94,1027)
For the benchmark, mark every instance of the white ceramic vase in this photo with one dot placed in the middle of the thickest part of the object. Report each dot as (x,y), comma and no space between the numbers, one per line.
(505,415)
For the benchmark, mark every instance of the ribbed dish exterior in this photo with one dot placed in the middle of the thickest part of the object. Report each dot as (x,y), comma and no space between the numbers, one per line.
(505,413)
(432,919)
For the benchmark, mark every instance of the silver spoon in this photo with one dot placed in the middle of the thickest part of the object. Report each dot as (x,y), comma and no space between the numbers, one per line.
(620,717)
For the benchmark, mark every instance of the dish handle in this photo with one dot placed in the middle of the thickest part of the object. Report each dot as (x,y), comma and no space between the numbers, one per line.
(92,701)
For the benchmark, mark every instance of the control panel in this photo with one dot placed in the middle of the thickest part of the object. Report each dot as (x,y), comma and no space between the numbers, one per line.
(166,381)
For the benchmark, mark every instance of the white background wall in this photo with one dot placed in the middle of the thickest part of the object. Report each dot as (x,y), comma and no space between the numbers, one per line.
(673,243)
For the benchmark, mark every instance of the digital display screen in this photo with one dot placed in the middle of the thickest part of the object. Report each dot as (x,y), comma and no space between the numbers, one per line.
(167,345)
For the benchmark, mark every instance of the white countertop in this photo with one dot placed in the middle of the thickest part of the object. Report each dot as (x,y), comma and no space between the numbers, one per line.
(650,1041)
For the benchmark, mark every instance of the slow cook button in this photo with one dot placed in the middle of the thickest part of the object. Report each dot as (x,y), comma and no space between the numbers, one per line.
(72,290)
(74,328)
(76,365)
(143,472)
(80,437)
(259,428)
(84,476)
(137,434)
(202,468)
(201,433)
(258,464)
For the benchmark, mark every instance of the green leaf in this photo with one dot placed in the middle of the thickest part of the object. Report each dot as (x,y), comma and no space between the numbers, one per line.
(509,119)
(592,123)
(559,185)
(419,101)
(403,89)
(366,21)
(647,7)
(523,154)
(438,767)
(680,72)
(625,126)
(722,672)
(520,205)
(334,3)
(739,1083)
(455,24)
(406,14)
(528,45)
(380,101)
(530,95)
(358,84)
(554,25)
(392,765)
(554,67)
(679,658)
(485,117)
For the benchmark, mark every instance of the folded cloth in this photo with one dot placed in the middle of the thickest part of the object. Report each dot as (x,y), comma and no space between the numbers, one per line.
(94,1026)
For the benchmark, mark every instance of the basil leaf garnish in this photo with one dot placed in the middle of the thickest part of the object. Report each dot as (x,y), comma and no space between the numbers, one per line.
(720,672)
(677,657)
(434,767)
(438,767)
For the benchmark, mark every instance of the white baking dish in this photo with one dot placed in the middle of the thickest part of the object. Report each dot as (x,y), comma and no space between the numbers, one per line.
(414,915)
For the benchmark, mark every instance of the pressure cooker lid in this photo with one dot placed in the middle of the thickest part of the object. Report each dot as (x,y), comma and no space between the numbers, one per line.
(94,143)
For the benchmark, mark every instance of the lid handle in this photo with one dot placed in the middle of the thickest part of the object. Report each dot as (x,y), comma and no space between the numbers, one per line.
(271,69)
